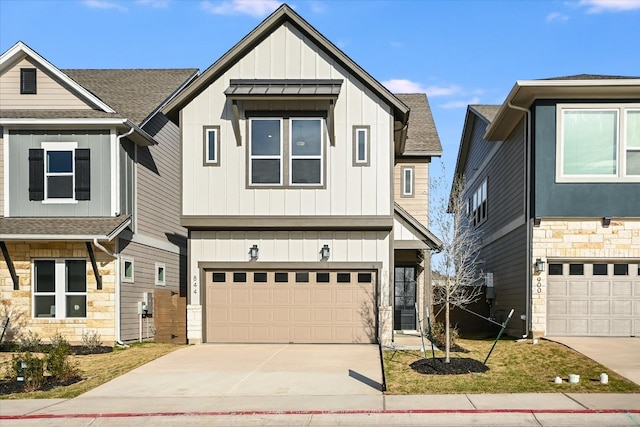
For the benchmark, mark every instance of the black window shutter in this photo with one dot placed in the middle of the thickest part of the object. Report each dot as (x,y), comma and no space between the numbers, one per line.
(36,174)
(28,81)
(83,174)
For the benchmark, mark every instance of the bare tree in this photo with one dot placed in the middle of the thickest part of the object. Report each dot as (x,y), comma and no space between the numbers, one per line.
(458,263)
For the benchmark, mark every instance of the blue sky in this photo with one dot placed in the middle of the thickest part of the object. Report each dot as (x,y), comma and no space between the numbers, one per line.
(458,52)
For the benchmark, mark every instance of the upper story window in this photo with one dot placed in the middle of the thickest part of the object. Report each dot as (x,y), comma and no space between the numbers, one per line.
(286,152)
(28,81)
(59,173)
(212,145)
(407,182)
(598,143)
(361,145)
(478,204)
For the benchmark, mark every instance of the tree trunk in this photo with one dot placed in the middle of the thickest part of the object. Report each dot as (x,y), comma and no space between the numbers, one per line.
(447,339)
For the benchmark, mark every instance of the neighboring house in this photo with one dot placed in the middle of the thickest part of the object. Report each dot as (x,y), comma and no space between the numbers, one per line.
(553,183)
(291,162)
(89,196)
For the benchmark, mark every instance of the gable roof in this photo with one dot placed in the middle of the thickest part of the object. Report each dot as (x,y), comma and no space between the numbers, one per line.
(124,98)
(582,86)
(133,93)
(284,14)
(422,135)
(419,230)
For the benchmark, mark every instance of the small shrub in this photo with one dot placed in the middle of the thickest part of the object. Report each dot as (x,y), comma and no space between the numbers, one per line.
(57,359)
(30,342)
(438,332)
(91,340)
(31,368)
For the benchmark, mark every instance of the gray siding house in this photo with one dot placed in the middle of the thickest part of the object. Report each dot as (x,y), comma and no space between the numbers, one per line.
(89,211)
(553,185)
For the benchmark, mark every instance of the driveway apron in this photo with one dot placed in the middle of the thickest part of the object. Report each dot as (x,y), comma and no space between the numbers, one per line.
(620,354)
(211,370)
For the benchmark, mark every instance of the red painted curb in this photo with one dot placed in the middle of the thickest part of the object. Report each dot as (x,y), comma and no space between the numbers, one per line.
(318,412)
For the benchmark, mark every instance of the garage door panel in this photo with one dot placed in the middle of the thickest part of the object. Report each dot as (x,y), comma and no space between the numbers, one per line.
(604,304)
(578,289)
(599,308)
(301,310)
(622,307)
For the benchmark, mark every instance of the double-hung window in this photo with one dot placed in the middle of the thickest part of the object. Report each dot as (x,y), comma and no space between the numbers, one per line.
(60,288)
(59,172)
(286,152)
(479,204)
(598,143)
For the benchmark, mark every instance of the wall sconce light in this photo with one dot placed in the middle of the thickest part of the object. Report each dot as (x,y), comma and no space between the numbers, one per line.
(324,252)
(253,252)
(539,267)
(536,221)
(606,221)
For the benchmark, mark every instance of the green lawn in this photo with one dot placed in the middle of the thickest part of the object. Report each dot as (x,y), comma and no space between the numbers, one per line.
(514,367)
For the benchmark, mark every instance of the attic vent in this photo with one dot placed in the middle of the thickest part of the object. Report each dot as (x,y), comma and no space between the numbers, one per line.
(28,81)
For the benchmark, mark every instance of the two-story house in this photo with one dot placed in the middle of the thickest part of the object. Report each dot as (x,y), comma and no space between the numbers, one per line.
(288,161)
(553,184)
(89,192)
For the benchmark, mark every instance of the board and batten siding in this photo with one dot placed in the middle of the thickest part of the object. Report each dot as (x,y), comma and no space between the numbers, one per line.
(158,182)
(222,190)
(100,144)
(417,205)
(144,263)
(51,95)
(292,246)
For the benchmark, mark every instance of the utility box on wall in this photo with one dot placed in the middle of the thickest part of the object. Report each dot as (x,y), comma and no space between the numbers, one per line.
(147,302)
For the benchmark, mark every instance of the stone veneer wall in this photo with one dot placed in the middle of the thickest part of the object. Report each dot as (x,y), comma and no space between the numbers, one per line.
(100,303)
(577,239)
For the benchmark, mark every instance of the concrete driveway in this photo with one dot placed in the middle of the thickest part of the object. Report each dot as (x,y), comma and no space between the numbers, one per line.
(620,354)
(214,370)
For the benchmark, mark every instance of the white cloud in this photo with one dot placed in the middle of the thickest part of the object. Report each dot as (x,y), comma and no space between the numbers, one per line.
(460,104)
(104,4)
(443,90)
(159,4)
(317,7)
(255,8)
(599,6)
(557,17)
(403,86)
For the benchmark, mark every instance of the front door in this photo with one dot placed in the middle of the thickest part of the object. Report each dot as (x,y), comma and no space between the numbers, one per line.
(405,298)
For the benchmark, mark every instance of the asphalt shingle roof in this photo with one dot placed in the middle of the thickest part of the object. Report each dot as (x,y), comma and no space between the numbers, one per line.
(487,111)
(64,227)
(590,77)
(133,93)
(422,135)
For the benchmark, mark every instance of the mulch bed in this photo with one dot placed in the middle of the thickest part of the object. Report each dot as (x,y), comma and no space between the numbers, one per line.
(456,366)
(10,387)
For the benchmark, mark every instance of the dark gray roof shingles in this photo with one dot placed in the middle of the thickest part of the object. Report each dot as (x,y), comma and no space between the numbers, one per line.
(133,93)
(487,111)
(422,135)
(66,227)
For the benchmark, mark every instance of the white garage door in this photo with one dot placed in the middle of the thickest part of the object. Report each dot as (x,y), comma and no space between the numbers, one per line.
(593,299)
(291,306)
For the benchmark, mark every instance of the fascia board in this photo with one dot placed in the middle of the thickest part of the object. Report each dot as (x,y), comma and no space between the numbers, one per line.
(85,94)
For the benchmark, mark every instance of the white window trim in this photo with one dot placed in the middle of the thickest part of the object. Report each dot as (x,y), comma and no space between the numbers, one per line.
(479,197)
(621,142)
(124,277)
(306,157)
(410,178)
(158,266)
(60,293)
(59,146)
(272,157)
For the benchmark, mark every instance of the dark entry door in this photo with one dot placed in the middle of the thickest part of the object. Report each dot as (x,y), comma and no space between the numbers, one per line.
(405,298)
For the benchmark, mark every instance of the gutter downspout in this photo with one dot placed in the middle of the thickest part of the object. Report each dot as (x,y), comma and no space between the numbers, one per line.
(117,254)
(527,136)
